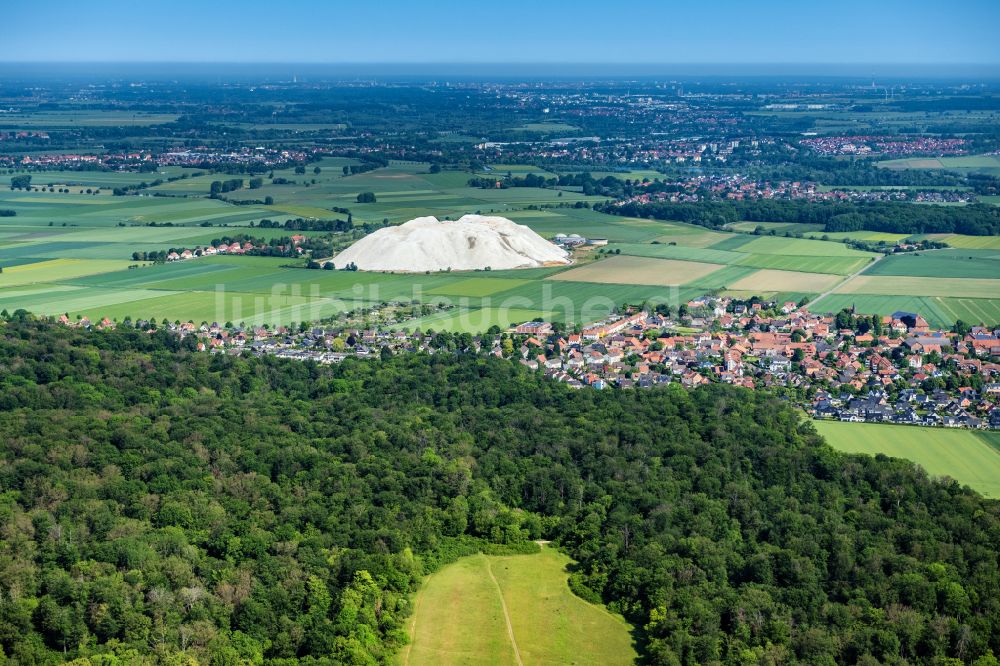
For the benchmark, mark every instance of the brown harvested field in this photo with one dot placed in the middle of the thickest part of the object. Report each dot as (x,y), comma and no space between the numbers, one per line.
(922,286)
(775,280)
(623,269)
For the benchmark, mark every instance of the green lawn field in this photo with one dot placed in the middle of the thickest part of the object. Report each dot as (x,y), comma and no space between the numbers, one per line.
(970,457)
(511,610)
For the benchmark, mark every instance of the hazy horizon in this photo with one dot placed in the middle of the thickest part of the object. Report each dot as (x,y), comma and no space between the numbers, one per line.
(305,72)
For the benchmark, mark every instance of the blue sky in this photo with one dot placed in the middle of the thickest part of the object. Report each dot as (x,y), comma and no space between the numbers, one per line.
(508,31)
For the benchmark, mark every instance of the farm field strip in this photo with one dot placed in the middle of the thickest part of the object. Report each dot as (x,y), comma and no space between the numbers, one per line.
(197,306)
(62,299)
(963,455)
(664,251)
(477,286)
(959,263)
(778,280)
(805,264)
(969,242)
(899,285)
(57,269)
(801,247)
(938,311)
(624,269)
(474,320)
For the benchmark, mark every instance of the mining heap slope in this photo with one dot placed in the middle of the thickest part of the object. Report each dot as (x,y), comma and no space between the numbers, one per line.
(469,243)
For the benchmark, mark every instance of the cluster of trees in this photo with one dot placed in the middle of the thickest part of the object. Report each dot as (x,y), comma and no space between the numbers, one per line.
(163,504)
(8,212)
(122,190)
(861,323)
(268,247)
(887,216)
(157,256)
(20,182)
(369,163)
(984,184)
(330,266)
(222,186)
(608,186)
(301,224)
(366,197)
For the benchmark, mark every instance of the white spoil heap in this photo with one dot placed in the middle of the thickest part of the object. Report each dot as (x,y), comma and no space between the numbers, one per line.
(469,243)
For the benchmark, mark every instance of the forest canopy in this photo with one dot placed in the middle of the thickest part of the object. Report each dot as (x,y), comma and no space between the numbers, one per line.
(162,504)
(885,216)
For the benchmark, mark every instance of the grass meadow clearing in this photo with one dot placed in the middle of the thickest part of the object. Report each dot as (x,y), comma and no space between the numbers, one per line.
(515,609)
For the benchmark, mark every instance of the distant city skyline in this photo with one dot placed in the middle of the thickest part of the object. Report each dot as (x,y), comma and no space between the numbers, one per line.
(775,32)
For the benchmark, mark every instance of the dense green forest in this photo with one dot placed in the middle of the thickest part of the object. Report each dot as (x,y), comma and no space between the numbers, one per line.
(887,216)
(160,504)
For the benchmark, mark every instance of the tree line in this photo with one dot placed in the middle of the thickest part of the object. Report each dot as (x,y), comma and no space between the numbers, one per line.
(885,216)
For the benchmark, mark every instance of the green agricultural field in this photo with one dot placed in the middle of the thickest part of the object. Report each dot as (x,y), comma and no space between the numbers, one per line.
(732,241)
(938,311)
(969,242)
(886,285)
(477,286)
(55,270)
(587,223)
(802,247)
(722,278)
(971,458)
(832,265)
(80,246)
(623,269)
(581,302)
(199,306)
(474,320)
(102,179)
(630,174)
(778,227)
(87,118)
(666,251)
(517,170)
(977,163)
(546,127)
(403,190)
(941,263)
(889,188)
(511,610)
(766,280)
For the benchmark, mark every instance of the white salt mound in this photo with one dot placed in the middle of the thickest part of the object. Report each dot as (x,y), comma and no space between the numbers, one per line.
(469,243)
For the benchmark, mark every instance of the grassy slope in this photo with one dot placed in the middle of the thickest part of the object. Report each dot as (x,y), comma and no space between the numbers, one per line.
(458,618)
(964,455)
